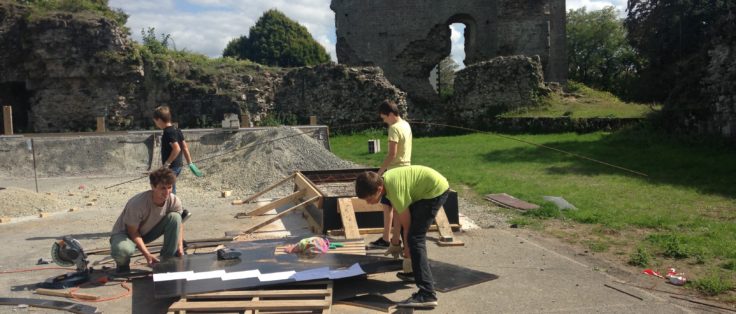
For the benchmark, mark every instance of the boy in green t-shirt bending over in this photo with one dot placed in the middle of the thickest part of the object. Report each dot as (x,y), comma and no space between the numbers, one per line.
(416,193)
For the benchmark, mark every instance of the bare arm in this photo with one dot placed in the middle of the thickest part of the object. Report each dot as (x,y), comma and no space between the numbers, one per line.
(135,235)
(390,156)
(185,149)
(181,240)
(405,221)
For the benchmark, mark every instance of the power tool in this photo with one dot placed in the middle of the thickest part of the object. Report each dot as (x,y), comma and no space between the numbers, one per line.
(68,252)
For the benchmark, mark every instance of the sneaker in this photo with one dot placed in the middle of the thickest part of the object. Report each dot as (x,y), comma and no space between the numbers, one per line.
(122,269)
(407,277)
(185,214)
(419,299)
(380,243)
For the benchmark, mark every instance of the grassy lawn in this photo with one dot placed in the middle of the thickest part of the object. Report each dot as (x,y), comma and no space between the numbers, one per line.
(683,214)
(585,102)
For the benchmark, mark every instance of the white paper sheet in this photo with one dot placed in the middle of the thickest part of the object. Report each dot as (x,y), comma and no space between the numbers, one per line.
(241,275)
(276,276)
(206,275)
(172,276)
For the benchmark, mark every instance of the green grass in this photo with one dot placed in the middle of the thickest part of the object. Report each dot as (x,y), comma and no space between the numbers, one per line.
(685,205)
(585,102)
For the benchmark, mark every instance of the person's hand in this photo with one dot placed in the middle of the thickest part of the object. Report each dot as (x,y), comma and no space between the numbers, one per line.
(151,260)
(405,252)
(180,251)
(394,250)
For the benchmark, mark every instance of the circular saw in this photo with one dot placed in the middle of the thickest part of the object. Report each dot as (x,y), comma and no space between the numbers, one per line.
(68,252)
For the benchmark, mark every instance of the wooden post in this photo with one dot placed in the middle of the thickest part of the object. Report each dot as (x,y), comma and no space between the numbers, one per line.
(8,119)
(100,124)
(245,120)
(312,120)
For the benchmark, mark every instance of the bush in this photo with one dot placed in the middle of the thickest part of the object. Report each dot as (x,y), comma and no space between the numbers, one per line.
(640,258)
(712,284)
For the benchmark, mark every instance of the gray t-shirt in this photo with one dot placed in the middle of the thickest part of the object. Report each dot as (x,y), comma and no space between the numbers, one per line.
(140,211)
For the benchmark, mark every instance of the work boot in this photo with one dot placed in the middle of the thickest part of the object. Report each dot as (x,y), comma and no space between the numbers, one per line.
(419,299)
(407,277)
(380,243)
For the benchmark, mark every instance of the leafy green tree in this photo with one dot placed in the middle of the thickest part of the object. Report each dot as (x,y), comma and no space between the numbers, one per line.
(277,40)
(447,69)
(598,53)
(675,37)
(152,43)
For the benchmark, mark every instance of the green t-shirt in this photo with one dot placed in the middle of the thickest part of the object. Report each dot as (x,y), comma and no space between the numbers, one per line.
(406,185)
(400,132)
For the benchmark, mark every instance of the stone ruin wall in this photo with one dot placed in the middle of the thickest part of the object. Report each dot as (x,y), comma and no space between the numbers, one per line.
(408,38)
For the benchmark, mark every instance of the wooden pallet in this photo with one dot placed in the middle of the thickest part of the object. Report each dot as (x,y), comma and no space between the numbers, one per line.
(302,298)
(350,246)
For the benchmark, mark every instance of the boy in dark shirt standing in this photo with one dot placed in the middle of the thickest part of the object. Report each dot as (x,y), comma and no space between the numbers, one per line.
(173,145)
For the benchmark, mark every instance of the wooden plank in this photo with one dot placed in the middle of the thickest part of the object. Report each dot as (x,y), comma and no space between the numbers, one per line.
(349,223)
(279,305)
(443,226)
(340,232)
(328,298)
(8,120)
(273,205)
(361,206)
(304,184)
(270,219)
(66,294)
(271,187)
(224,295)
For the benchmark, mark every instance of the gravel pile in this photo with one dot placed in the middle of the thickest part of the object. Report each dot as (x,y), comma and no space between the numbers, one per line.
(17,202)
(253,161)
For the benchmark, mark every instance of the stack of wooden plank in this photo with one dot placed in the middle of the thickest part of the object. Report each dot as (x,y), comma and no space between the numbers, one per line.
(307,298)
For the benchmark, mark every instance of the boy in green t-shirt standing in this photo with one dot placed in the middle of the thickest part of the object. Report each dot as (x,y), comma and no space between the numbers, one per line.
(416,193)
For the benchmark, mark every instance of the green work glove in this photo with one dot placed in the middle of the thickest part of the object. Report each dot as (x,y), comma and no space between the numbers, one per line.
(394,250)
(334,245)
(195,170)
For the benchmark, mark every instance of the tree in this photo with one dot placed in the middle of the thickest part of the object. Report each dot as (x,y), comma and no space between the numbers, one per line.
(598,53)
(153,44)
(675,37)
(447,69)
(277,40)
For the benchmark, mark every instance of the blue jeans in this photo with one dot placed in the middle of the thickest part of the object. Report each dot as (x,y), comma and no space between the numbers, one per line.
(177,171)
(422,216)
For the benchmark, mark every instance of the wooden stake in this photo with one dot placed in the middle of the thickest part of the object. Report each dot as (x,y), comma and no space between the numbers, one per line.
(67,294)
(8,119)
(312,120)
(100,124)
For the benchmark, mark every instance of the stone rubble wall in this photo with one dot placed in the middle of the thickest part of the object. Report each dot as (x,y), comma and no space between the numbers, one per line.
(721,86)
(488,88)
(338,95)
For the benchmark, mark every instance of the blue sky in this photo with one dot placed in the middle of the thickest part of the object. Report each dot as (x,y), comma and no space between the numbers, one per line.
(206,26)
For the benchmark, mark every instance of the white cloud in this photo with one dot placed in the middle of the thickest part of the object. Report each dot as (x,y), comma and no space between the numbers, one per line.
(206,26)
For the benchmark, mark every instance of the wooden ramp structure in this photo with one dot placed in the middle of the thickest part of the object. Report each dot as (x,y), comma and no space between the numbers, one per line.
(298,298)
(305,194)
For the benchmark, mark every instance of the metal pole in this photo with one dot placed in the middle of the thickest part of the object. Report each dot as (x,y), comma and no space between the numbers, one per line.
(35,174)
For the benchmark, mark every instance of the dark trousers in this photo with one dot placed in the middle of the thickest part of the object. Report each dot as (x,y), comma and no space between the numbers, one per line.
(422,215)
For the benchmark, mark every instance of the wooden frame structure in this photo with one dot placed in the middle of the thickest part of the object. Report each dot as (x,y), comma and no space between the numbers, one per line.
(304,195)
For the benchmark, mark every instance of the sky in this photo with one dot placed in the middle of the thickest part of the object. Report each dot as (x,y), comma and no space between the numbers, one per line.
(206,26)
